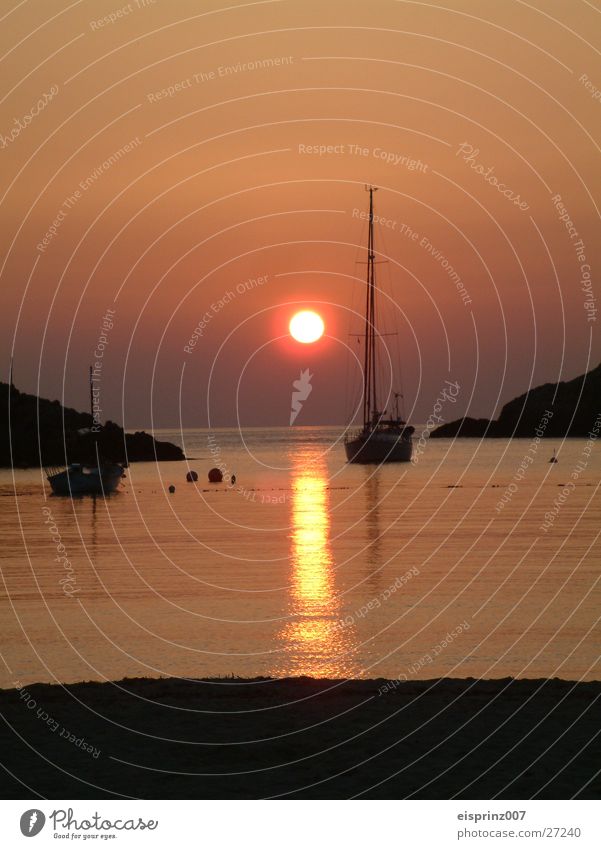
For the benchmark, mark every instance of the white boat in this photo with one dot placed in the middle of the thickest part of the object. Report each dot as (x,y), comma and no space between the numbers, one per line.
(384,438)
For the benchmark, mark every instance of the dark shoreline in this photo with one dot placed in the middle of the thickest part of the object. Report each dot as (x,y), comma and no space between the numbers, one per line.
(36,432)
(303,738)
(551,411)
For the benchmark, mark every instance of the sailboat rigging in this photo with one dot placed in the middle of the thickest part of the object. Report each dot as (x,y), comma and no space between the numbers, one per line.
(381,439)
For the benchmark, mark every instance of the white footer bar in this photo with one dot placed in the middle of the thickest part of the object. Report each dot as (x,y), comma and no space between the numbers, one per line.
(303,824)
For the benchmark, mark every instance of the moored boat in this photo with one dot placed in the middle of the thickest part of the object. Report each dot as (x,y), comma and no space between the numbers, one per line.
(87,477)
(79,479)
(384,438)
(385,442)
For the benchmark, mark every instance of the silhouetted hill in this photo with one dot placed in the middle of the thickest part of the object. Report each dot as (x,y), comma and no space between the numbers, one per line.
(574,404)
(45,433)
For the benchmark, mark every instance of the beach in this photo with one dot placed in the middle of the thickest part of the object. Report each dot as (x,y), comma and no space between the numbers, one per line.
(303,738)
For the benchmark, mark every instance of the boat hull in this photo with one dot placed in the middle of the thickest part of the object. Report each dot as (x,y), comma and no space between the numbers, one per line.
(379,448)
(92,481)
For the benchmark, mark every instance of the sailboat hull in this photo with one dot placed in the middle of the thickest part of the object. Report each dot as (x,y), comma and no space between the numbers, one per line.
(374,447)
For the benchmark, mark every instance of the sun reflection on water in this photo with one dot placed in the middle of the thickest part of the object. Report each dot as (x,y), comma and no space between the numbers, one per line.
(312,637)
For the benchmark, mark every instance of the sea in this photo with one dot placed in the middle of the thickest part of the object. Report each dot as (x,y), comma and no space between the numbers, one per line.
(479,559)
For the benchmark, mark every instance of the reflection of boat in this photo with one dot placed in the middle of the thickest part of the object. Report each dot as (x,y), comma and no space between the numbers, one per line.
(381,440)
(373,533)
(86,478)
(78,479)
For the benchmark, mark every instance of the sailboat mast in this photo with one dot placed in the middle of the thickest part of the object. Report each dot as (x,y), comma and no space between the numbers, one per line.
(366,363)
(372,317)
(91,397)
(369,367)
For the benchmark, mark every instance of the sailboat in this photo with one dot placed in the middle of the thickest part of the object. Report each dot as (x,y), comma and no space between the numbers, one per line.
(98,478)
(384,437)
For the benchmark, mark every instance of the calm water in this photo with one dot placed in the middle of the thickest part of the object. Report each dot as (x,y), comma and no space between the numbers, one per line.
(308,566)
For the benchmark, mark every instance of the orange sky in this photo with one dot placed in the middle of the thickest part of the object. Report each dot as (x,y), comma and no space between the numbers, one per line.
(204,147)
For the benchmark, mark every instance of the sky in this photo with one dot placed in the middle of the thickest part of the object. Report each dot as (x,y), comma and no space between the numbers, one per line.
(178,178)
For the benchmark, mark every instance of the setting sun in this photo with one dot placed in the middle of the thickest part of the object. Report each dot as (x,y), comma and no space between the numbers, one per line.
(306,326)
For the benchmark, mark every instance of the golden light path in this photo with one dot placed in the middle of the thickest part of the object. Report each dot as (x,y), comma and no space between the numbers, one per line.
(312,634)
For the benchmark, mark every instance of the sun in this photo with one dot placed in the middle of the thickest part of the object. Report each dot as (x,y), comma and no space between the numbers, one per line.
(306,326)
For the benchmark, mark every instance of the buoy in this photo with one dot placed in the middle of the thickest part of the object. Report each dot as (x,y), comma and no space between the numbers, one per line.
(215,476)
(191,477)
(171,489)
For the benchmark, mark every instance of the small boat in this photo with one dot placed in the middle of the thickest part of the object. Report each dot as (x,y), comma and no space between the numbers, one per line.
(79,479)
(384,438)
(86,478)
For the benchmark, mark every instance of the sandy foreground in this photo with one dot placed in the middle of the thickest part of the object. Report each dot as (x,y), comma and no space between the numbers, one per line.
(303,738)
